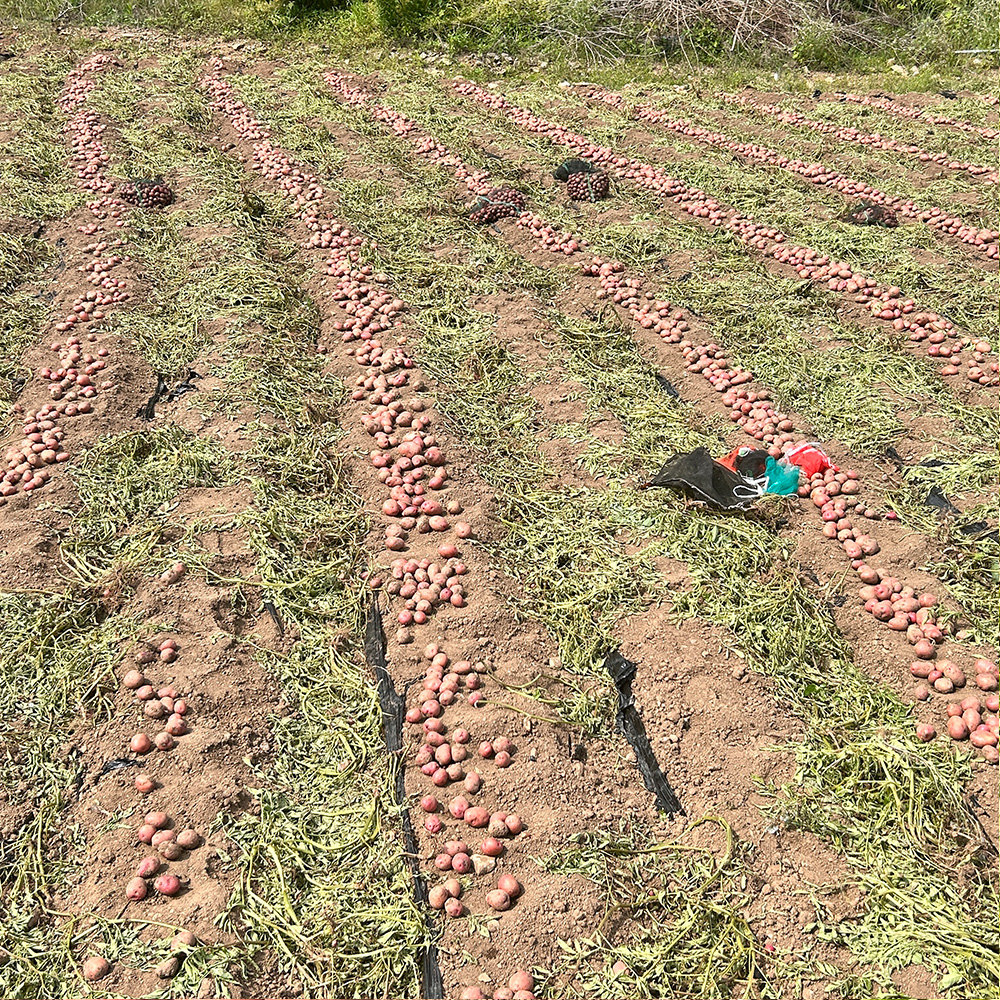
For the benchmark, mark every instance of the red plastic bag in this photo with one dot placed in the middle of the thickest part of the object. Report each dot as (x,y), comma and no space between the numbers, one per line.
(808,457)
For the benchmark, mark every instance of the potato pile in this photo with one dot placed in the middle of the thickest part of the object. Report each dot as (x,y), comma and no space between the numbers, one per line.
(551,237)
(162,705)
(974,718)
(497,203)
(443,758)
(884,300)
(588,186)
(27,463)
(870,213)
(157,830)
(408,460)
(754,412)
(850,134)
(146,192)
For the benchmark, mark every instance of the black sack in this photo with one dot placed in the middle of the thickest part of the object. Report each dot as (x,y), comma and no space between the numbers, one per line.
(697,475)
(569,167)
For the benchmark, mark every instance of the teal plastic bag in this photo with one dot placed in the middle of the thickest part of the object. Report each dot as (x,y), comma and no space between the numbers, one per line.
(782,478)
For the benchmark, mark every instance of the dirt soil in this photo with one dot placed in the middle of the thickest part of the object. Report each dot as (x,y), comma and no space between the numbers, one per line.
(717,728)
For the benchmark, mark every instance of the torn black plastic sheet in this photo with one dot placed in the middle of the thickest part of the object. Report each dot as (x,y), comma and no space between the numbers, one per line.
(393,706)
(629,723)
(667,386)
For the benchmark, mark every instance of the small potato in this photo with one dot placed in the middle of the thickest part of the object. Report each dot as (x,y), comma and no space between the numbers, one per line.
(144,783)
(148,867)
(95,968)
(957,729)
(189,839)
(925,732)
(514,824)
(491,847)
(170,850)
(521,980)
(437,896)
(477,817)
(168,885)
(158,819)
(986,682)
(140,743)
(163,741)
(175,726)
(169,967)
(136,889)
(454,907)
(497,899)
(953,672)
(132,680)
(182,941)
(509,885)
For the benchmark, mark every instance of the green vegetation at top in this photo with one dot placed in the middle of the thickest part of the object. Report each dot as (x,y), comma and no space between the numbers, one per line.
(804,33)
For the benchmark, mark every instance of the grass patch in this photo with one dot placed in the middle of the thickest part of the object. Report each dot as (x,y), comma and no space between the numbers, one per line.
(577,581)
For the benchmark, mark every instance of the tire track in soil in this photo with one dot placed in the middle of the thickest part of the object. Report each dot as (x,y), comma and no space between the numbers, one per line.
(484,634)
(902,556)
(206,771)
(882,302)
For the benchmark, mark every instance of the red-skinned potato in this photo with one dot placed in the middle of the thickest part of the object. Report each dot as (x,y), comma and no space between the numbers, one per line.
(148,867)
(476,816)
(167,885)
(957,729)
(136,889)
(497,899)
(95,968)
(521,980)
(510,885)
